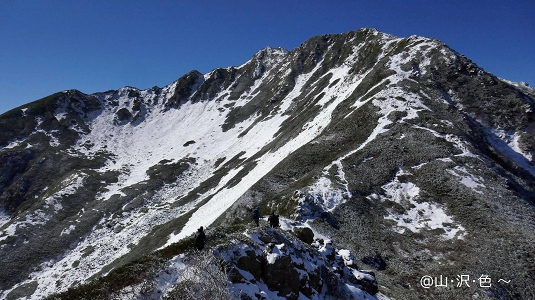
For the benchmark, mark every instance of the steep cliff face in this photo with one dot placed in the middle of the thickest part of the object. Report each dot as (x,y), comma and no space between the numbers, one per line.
(397,147)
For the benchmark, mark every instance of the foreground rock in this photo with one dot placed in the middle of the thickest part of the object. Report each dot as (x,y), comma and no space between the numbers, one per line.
(274,260)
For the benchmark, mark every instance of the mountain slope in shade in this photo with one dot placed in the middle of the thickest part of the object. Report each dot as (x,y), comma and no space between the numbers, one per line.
(396,146)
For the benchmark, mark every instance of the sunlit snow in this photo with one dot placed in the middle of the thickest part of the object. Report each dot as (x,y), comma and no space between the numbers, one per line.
(4,217)
(469,180)
(163,134)
(417,215)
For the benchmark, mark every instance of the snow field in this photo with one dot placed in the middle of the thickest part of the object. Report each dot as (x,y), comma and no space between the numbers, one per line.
(133,158)
(221,201)
(326,195)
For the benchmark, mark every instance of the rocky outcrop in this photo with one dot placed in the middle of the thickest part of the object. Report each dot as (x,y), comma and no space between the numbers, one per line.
(123,114)
(305,234)
(185,86)
(290,267)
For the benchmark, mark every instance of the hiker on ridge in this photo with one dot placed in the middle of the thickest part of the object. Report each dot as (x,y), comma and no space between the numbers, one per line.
(256,216)
(273,220)
(199,238)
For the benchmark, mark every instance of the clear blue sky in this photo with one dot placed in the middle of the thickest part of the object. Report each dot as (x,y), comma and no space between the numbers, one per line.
(97,45)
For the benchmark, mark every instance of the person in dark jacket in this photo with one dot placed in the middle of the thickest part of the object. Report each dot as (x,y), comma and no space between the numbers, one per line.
(256,216)
(273,220)
(199,238)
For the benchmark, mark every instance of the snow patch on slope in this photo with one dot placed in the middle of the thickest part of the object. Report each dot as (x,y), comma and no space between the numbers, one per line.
(68,186)
(13,144)
(170,275)
(221,201)
(453,139)
(469,180)
(322,196)
(417,215)
(511,139)
(4,217)
(52,204)
(507,143)
(60,113)
(326,195)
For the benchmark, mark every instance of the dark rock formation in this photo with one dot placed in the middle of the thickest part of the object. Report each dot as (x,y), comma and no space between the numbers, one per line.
(305,234)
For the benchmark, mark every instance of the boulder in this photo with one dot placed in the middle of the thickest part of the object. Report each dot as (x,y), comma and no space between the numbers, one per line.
(123,114)
(305,234)
(189,143)
(311,283)
(375,261)
(367,281)
(251,263)
(281,276)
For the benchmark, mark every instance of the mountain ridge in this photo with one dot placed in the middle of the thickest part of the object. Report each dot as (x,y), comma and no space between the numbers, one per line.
(355,122)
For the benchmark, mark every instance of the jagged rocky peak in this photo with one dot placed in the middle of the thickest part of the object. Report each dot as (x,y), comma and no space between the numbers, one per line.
(184,88)
(522,85)
(267,58)
(195,86)
(270,52)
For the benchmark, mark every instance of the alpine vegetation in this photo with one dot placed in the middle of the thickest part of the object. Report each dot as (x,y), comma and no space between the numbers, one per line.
(395,168)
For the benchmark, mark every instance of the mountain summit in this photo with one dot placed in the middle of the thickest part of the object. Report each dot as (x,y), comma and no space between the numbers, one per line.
(401,155)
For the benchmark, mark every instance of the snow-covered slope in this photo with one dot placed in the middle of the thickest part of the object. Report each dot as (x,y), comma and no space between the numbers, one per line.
(401,132)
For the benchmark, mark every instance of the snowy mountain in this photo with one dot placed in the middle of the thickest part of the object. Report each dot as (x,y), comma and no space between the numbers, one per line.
(401,152)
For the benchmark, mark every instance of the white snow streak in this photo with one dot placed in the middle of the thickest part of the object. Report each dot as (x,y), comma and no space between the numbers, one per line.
(221,201)
(454,139)
(507,143)
(13,144)
(4,218)
(469,180)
